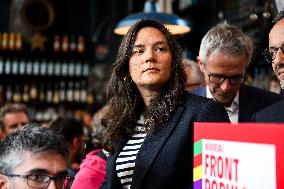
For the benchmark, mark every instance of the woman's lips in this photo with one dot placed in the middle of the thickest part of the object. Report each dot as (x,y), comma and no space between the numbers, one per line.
(152,69)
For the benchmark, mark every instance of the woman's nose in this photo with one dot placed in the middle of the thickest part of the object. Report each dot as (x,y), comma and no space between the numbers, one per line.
(149,55)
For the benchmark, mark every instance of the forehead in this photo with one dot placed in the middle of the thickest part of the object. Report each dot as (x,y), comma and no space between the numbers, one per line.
(15,117)
(50,162)
(149,35)
(223,63)
(276,35)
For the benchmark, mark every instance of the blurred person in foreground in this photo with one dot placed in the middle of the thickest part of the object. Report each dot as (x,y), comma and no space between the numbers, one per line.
(195,77)
(275,55)
(34,157)
(13,116)
(72,130)
(150,116)
(225,53)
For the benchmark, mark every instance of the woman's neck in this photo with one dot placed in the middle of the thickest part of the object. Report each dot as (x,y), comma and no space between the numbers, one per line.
(148,95)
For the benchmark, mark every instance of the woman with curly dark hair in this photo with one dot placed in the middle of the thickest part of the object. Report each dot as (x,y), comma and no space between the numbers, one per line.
(149,119)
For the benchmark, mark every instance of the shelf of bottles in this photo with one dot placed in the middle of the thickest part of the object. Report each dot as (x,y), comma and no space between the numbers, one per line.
(49,80)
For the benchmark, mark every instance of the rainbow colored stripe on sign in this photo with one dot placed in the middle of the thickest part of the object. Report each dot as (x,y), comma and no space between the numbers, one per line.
(197,165)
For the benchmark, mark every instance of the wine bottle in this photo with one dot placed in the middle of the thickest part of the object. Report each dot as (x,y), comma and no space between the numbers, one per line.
(56,43)
(43,66)
(62,92)
(15,64)
(50,68)
(9,93)
(57,68)
(5,41)
(55,98)
(81,44)
(70,91)
(12,41)
(77,91)
(1,65)
(29,67)
(22,67)
(41,93)
(78,69)
(8,66)
(71,68)
(83,93)
(36,67)
(19,41)
(73,46)
(49,94)
(17,94)
(33,92)
(65,44)
(85,69)
(64,68)
(25,96)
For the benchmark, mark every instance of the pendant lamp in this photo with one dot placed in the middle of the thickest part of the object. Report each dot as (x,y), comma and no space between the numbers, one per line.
(173,23)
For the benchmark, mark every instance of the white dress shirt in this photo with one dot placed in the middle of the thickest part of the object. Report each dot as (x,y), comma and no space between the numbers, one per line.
(233,110)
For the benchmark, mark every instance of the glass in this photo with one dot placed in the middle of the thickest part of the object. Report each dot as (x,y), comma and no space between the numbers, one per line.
(270,53)
(220,79)
(42,181)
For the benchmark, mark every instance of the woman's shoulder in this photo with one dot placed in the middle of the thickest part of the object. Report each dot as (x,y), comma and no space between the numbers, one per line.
(200,103)
(205,109)
(194,99)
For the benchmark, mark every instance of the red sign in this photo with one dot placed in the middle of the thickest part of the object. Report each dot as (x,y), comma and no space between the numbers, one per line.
(238,156)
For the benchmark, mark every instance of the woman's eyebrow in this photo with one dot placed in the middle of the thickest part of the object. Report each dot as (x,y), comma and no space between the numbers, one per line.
(138,45)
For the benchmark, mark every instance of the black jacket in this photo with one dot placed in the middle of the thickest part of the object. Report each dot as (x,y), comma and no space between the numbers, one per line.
(273,113)
(251,100)
(165,159)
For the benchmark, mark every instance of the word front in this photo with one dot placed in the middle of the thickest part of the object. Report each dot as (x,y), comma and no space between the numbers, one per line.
(221,167)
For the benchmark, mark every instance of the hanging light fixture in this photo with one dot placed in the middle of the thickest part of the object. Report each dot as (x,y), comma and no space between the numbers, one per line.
(174,23)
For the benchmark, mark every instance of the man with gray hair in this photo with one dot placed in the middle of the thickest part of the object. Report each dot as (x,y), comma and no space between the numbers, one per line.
(225,52)
(34,157)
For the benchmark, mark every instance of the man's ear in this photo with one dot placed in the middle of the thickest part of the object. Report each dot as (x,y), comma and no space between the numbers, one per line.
(3,182)
(200,64)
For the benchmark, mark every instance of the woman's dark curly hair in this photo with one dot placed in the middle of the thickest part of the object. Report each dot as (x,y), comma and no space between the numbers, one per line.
(125,103)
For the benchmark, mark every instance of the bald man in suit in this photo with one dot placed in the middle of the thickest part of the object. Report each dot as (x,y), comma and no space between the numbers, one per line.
(275,55)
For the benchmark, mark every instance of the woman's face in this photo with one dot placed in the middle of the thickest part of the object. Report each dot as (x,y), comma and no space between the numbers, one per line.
(151,60)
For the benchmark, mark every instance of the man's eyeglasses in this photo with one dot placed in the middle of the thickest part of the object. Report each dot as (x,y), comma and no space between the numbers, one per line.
(270,53)
(220,79)
(42,181)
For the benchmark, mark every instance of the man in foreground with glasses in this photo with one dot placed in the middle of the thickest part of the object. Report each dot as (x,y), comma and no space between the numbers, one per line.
(34,157)
(275,55)
(225,52)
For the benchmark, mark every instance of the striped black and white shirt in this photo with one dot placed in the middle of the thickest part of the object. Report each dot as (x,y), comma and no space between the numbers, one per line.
(125,161)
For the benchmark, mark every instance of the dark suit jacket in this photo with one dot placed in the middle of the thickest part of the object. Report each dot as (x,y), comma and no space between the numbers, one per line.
(273,113)
(251,100)
(165,159)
